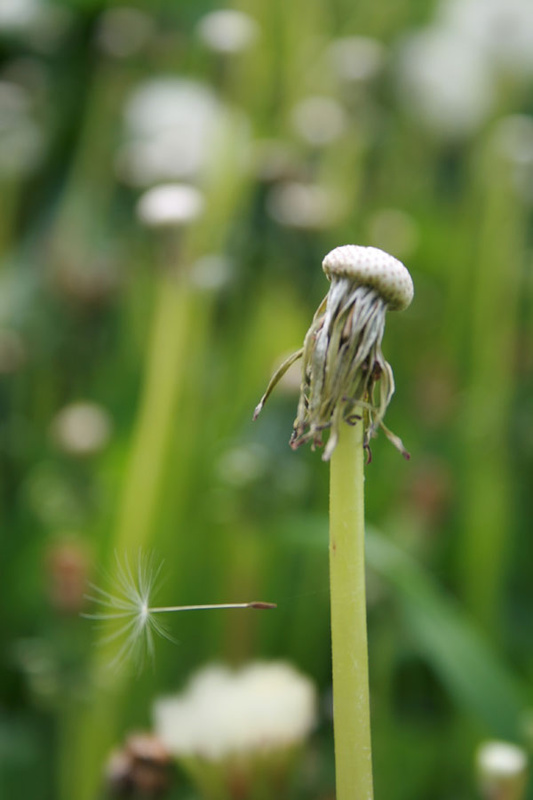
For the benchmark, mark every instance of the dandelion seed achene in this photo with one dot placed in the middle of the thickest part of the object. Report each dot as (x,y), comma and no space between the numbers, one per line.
(130,613)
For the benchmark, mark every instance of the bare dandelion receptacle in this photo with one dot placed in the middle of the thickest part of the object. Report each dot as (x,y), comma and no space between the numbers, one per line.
(343,365)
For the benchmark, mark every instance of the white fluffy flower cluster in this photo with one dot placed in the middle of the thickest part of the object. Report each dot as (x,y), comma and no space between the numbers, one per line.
(21,136)
(503,29)
(222,713)
(448,72)
(502,770)
(445,81)
(170,126)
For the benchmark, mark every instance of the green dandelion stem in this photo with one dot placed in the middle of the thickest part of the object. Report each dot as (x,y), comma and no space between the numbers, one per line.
(351,703)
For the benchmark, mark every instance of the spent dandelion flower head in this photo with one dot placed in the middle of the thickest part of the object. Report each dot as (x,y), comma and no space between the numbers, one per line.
(141,767)
(343,363)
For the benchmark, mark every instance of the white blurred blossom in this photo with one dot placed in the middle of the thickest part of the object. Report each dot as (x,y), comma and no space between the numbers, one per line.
(13,351)
(81,429)
(356,59)
(501,768)
(172,205)
(241,466)
(318,120)
(171,125)
(18,14)
(124,31)
(512,139)
(273,160)
(228,31)
(263,707)
(303,206)
(211,272)
(21,137)
(37,22)
(503,29)
(394,231)
(446,81)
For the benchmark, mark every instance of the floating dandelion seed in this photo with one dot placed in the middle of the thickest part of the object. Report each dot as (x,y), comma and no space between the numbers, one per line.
(129,611)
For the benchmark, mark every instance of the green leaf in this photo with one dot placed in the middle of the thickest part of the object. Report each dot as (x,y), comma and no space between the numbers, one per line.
(470,669)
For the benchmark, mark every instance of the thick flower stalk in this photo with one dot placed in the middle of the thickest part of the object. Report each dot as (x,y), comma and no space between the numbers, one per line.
(346,388)
(345,377)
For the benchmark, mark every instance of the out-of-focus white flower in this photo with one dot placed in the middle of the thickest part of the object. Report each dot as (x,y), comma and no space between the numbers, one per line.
(211,273)
(173,205)
(303,205)
(356,59)
(501,769)
(243,465)
(512,139)
(273,160)
(18,14)
(13,352)
(228,31)
(81,429)
(446,81)
(124,31)
(393,230)
(38,22)
(170,130)
(21,138)
(502,28)
(319,120)
(261,708)
(513,136)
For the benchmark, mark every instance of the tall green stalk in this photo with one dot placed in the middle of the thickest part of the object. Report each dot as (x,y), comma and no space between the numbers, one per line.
(493,313)
(351,701)
(346,388)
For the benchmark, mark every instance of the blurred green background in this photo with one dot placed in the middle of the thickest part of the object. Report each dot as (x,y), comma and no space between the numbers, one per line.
(132,356)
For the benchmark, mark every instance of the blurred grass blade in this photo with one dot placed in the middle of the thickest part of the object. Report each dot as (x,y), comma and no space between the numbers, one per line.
(473,673)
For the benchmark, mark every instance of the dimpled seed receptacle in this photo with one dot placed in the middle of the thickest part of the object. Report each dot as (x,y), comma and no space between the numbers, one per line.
(369,266)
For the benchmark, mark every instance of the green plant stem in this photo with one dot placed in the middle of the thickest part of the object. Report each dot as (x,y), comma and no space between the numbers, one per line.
(351,701)
(493,312)
(156,420)
(137,514)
